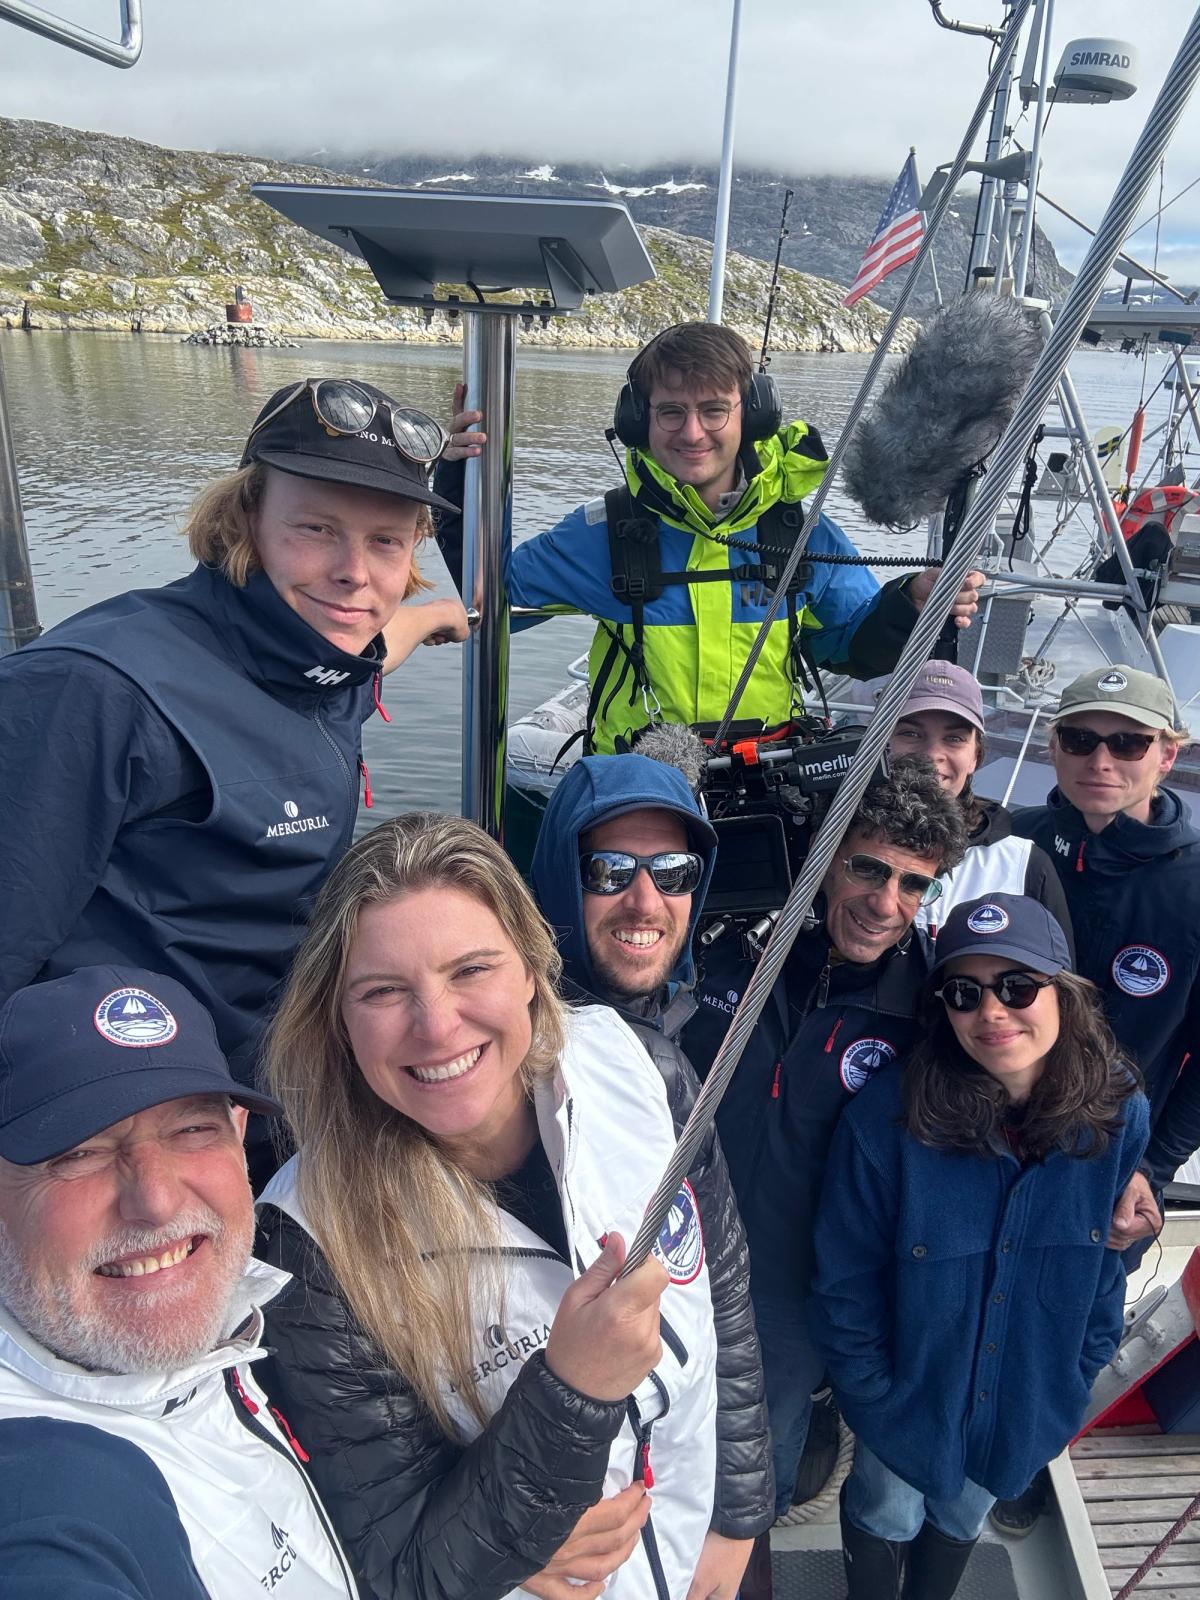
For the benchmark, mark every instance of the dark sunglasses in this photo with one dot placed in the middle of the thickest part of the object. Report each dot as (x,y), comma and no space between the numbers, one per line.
(343,407)
(1122,746)
(1015,990)
(873,874)
(612,871)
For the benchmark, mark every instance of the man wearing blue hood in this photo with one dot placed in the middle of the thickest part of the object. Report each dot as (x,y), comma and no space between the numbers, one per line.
(622,864)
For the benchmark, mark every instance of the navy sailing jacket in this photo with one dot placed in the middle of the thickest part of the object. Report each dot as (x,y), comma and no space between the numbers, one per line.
(965,1303)
(828,1026)
(180,775)
(1134,895)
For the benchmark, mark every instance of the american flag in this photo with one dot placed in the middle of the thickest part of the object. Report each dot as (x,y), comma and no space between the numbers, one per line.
(897,237)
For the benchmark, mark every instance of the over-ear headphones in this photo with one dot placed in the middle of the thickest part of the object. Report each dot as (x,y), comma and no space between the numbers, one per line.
(762,408)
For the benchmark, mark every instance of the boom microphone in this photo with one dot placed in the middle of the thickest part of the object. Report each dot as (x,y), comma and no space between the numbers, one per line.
(943,411)
(675,746)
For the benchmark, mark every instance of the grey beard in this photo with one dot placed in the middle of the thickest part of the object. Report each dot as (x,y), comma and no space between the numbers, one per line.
(49,1312)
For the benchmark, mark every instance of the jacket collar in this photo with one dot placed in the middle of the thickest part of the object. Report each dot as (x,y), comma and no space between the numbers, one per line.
(273,644)
(145,1394)
(891,985)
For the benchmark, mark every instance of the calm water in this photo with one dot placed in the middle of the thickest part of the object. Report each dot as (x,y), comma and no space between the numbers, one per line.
(115,434)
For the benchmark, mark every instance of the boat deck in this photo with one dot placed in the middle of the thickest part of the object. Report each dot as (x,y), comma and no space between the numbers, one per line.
(1134,1487)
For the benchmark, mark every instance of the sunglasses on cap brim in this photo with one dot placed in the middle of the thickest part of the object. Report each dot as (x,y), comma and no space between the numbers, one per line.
(344,408)
(612,871)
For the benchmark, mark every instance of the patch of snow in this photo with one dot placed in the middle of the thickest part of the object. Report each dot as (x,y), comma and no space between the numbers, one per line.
(446,177)
(542,174)
(634,193)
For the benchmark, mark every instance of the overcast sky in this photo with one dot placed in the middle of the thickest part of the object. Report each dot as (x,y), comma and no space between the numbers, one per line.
(841,87)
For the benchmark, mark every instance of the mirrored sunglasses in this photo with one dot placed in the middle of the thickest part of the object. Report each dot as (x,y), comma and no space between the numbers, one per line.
(1077,741)
(343,407)
(1015,990)
(612,871)
(874,874)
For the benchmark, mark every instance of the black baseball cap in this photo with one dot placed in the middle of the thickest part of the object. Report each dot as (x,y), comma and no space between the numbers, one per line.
(1010,925)
(82,1052)
(295,441)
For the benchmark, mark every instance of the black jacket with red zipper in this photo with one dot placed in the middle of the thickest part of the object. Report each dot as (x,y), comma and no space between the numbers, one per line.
(1133,890)
(827,1027)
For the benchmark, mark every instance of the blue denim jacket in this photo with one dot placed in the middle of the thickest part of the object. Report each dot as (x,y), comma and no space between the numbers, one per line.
(965,1303)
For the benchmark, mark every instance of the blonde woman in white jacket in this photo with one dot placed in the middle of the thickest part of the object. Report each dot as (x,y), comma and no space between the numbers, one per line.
(454,1352)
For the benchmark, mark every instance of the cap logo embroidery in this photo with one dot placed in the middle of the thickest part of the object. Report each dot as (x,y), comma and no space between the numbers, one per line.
(134,1019)
(1139,970)
(988,919)
(1113,682)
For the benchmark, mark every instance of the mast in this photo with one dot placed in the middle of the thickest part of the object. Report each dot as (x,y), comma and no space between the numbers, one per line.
(716,287)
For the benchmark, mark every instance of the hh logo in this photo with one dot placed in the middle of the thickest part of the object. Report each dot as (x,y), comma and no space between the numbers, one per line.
(326,676)
(1061,845)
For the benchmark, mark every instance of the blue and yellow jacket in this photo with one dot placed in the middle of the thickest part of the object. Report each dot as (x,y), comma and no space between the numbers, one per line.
(697,635)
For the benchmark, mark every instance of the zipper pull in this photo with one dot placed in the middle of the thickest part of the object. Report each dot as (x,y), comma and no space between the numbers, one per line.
(378,687)
(823,985)
(286,1427)
(833,1036)
(1079,857)
(647,1470)
(249,1404)
(366,777)
(775,1081)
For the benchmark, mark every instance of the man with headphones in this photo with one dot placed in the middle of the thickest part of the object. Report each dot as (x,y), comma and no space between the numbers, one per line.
(678,564)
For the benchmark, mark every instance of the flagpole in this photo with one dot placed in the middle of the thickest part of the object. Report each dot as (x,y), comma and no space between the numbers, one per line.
(716,287)
(937,288)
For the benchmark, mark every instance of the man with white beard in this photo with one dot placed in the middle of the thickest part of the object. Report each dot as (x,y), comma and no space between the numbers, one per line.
(137,1455)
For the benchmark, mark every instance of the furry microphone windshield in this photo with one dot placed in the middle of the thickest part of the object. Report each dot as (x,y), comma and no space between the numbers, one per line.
(943,411)
(675,746)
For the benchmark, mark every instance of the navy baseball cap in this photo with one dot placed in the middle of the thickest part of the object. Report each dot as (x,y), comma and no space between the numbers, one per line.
(82,1052)
(1010,925)
(294,440)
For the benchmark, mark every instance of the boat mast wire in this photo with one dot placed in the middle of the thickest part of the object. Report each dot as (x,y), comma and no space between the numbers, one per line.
(1047,374)
(817,504)
(764,360)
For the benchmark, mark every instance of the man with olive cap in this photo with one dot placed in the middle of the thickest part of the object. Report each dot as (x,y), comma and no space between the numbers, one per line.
(130,1311)
(182,765)
(1128,857)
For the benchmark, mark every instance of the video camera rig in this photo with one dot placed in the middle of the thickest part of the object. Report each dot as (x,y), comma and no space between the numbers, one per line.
(764,798)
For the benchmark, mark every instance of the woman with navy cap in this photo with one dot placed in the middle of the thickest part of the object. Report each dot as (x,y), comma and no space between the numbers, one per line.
(965,1299)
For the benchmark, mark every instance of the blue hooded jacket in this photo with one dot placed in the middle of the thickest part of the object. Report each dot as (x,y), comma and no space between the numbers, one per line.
(595,790)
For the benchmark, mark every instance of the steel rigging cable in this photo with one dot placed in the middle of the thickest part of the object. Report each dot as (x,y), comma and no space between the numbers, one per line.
(1052,363)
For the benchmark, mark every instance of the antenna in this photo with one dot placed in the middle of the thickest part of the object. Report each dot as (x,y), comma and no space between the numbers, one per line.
(764,360)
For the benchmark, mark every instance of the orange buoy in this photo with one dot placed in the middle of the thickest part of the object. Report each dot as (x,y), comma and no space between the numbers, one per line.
(1137,428)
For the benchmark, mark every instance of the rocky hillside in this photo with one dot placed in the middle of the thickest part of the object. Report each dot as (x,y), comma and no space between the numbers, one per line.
(105,233)
(830,219)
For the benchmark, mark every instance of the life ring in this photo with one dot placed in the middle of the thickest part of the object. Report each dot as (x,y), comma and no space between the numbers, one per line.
(1163,504)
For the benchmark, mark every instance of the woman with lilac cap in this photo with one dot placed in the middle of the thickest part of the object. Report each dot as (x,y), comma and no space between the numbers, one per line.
(943,720)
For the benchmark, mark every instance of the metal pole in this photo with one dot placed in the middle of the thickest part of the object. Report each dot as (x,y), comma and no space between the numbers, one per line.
(1010,452)
(716,286)
(489,343)
(1184,384)
(117,53)
(985,210)
(1035,152)
(1069,401)
(18,606)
